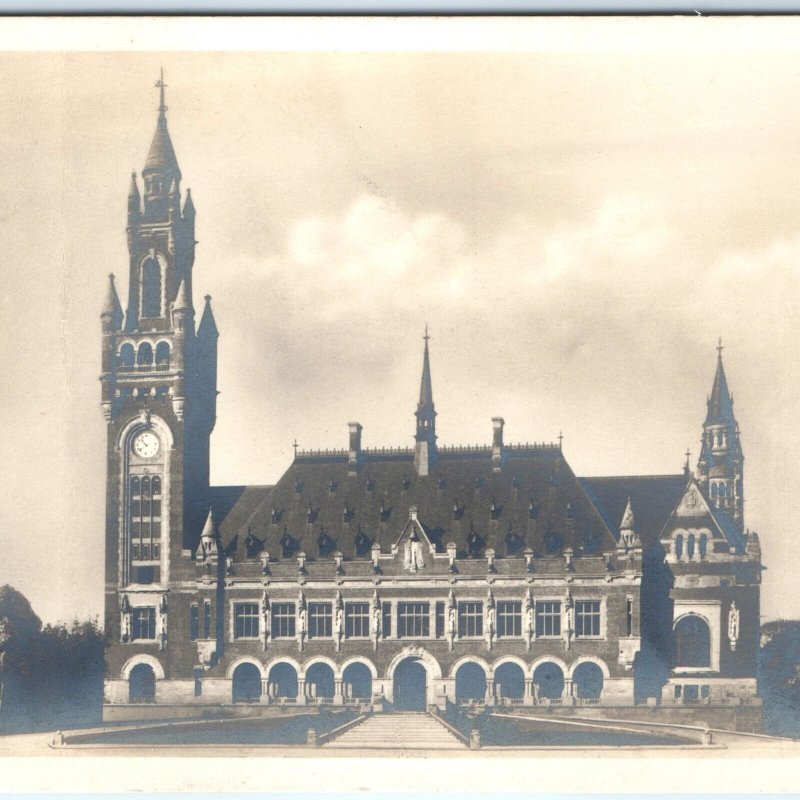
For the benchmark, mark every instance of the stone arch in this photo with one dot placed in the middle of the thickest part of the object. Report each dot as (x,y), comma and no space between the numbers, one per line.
(470,659)
(549,660)
(282,682)
(244,660)
(283,660)
(359,660)
(590,660)
(431,664)
(320,660)
(507,683)
(511,660)
(143,658)
(692,641)
(140,423)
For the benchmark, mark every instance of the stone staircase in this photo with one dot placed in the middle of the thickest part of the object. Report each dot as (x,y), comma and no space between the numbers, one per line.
(412,730)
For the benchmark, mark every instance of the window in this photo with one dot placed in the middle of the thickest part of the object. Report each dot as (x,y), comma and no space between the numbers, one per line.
(151,288)
(356,620)
(245,620)
(206,620)
(679,546)
(692,642)
(629,616)
(162,353)
(143,623)
(509,618)
(413,619)
(144,355)
(690,547)
(548,618)
(587,617)
(126,355)
(703,545)
(439,620)
(386,619)
(320,620)
(144,510)
(283,620)
(194,622)
(470,618)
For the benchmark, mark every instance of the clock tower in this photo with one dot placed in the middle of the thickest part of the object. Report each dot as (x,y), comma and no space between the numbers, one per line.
(158,397)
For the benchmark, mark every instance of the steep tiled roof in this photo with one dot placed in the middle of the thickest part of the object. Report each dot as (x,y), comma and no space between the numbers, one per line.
(536,496)
(653,498)
(234,507)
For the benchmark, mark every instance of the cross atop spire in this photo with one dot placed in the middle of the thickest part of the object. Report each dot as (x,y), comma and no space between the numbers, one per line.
(720,348)
(426,337)
(160,85)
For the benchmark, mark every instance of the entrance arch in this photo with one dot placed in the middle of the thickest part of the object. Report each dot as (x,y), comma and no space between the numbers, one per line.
(142,684)
(246,683)
(410,685)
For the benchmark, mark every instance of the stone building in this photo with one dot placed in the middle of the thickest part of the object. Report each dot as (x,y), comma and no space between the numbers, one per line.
(410,578)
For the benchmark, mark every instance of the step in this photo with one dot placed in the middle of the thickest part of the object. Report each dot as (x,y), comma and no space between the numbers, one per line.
(398,731)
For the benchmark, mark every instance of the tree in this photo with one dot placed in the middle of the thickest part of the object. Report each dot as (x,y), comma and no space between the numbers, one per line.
(779,677)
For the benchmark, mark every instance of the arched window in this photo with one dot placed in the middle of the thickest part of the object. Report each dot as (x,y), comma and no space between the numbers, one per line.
(714,490)
(548,681)
(162,353)
(679,546)
(320,680)
(510,680)
(126,355)
(703,545)
(282,681)
(692,642)
(358,682)
(144,357)
(690,547)
(151,288)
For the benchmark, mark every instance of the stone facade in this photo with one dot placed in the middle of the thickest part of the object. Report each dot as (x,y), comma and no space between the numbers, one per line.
(407,578)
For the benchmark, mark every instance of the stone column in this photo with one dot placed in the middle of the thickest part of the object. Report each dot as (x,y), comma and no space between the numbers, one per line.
(527,697)
(490,692)
(567,697)
(338,694)
(301,691)
(265,699)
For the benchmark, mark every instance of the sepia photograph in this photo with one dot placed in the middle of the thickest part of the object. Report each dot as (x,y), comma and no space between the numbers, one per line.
(392,392)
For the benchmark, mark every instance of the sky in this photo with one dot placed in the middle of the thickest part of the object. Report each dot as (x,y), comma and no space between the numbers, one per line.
(577,227)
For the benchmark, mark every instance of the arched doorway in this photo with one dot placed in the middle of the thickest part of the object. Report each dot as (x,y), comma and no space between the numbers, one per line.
(692,642)
(548,681)
(357,681)
(282,681)
(410,685)
(510,680)
(142,684)
(588,681)
(246,684)
(470,683)
(319,680)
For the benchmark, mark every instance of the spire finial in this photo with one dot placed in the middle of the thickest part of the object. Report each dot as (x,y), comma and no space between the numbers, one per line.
(560,440)
(426,337)
(720,348)
(295,445)
(160,85)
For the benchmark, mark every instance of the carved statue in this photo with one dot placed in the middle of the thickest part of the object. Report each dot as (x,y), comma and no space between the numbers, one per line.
(413,553)
(733,624)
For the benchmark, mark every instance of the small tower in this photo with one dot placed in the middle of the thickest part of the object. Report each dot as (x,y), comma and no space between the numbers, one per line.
(720,468)
(425,449)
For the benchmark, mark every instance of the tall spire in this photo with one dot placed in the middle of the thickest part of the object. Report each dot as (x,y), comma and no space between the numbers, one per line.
(161,168)
(720,404)
(720,468)
(112,308)
(425,451)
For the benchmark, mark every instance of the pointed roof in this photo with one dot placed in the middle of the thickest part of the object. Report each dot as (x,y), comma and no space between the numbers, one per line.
(111,306)
(207,327)
(425,387)
(161,157)
(182,300)
(188,206)
(628,522)
(210,528)
(133,192)
(720,404)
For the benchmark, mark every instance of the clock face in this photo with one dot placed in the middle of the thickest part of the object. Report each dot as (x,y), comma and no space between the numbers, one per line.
(146,445)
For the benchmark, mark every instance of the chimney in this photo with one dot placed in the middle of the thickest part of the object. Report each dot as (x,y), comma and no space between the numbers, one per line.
(354,454)
(497,443)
